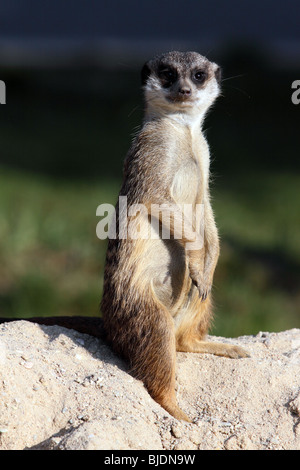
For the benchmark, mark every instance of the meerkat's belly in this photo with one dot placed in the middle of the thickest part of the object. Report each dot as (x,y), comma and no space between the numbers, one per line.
(186,186)
(160,259)
(164,268)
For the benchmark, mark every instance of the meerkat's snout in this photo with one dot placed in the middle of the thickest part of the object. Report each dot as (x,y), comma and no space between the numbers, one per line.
(185,91)
(181,92)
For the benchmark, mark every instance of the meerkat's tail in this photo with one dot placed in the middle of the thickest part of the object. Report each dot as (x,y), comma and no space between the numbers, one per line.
(155,365)
(155,361)
(145,336)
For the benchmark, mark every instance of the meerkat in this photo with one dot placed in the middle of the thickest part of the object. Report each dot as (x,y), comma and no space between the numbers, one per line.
(157,292)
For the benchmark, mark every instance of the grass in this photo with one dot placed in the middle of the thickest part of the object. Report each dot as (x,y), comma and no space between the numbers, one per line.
(257,278)
(51,262)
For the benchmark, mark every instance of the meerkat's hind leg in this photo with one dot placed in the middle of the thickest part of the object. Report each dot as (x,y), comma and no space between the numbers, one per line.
(216,348)
(190,336)
(189,341)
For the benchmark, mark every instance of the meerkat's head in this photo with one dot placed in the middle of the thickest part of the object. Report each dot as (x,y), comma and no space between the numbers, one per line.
(184,82)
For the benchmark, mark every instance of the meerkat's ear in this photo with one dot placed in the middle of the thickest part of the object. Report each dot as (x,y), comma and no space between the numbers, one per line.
(218,75)
(146,71)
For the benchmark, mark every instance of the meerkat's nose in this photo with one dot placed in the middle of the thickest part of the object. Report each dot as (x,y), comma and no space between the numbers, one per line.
(184,91)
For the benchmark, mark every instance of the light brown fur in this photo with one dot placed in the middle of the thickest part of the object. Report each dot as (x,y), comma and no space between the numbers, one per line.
(156,297)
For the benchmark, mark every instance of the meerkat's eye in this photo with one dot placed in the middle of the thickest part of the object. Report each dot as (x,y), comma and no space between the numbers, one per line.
(200,76)
(168,76)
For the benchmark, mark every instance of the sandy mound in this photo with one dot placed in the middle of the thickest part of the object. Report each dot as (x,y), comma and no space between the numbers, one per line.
(63,390)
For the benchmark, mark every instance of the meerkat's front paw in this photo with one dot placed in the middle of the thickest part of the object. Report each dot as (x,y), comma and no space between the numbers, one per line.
(204,290)
(203,286)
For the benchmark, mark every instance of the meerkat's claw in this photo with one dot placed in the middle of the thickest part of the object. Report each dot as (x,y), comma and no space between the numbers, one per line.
(203,293)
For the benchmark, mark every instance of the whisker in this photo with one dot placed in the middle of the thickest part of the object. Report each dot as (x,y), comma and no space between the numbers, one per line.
(239,89)
(133,110)
(234,76)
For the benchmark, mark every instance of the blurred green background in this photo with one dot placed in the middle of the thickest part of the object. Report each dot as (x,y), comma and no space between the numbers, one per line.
(64,133)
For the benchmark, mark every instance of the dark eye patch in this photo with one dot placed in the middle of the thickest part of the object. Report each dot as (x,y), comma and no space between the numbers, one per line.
(167,75)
